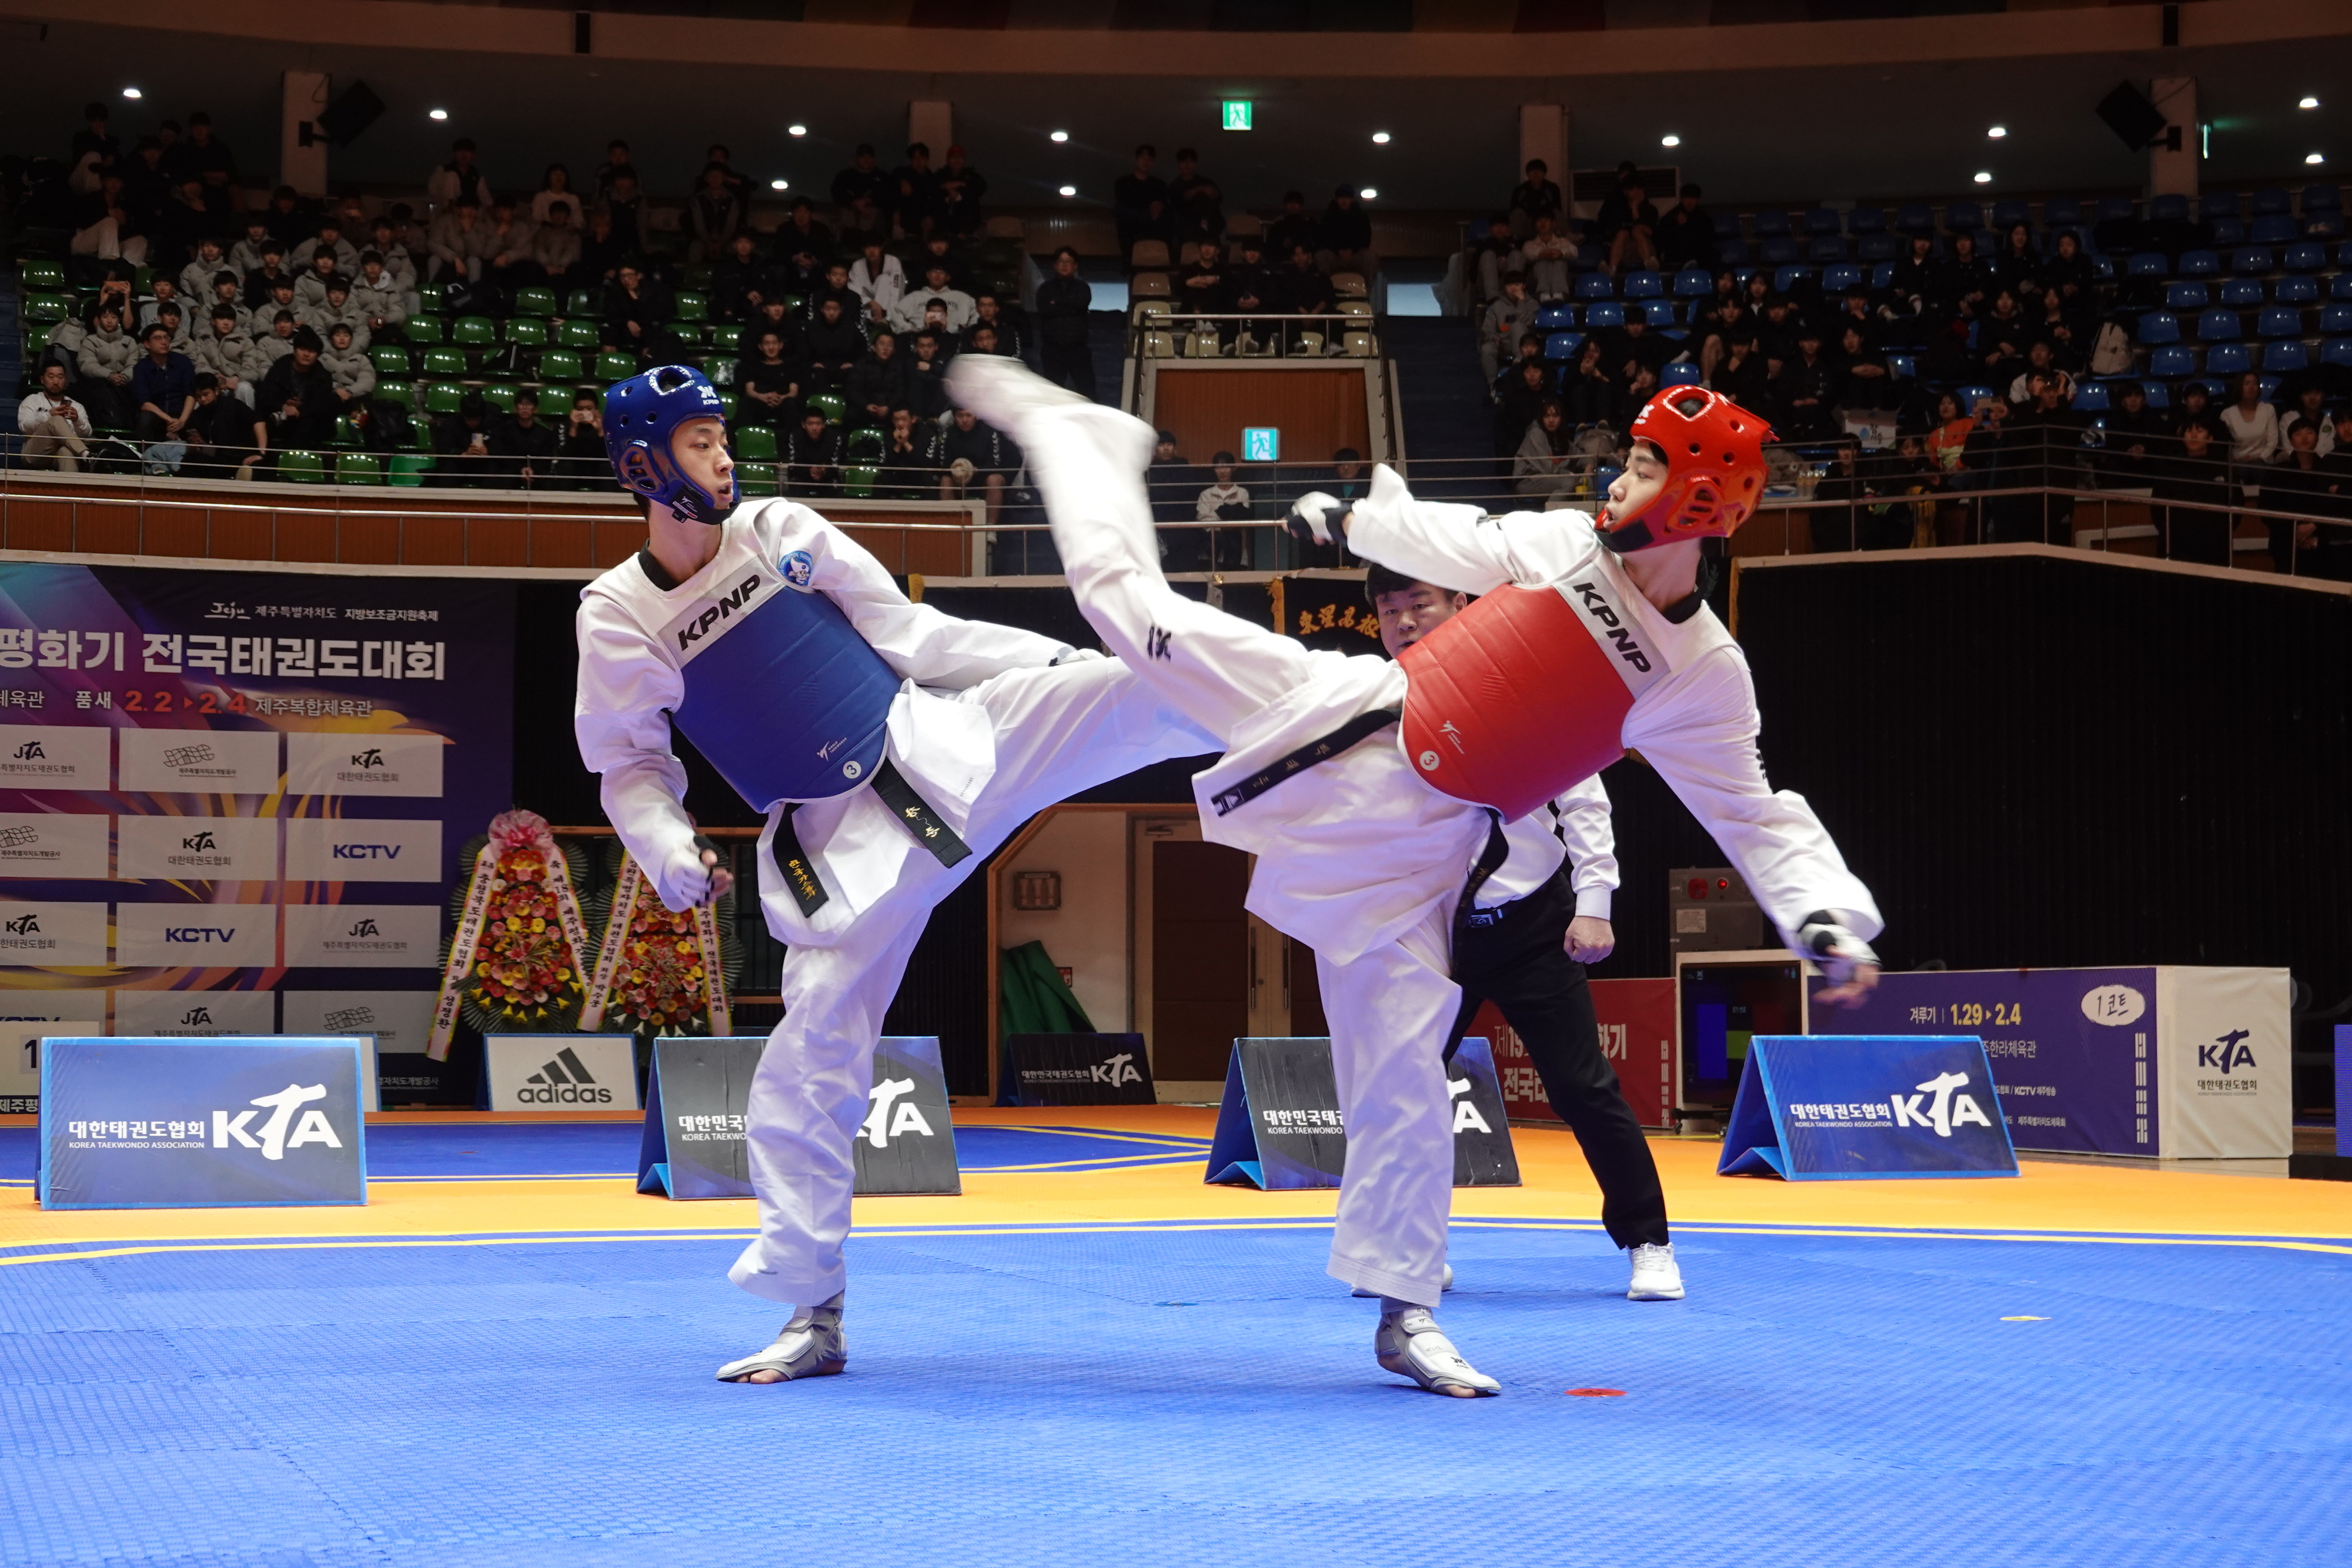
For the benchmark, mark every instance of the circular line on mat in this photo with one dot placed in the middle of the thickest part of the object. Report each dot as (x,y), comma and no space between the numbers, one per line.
(2025,1319)
(1595,1392)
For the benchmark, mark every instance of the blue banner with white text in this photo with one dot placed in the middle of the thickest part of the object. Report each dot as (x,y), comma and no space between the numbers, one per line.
(1843,1107)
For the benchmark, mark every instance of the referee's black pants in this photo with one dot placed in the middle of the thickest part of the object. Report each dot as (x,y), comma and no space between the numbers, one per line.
(1519,961)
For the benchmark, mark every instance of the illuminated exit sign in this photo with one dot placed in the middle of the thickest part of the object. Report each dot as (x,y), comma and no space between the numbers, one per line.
(1237,114)
(1260,443)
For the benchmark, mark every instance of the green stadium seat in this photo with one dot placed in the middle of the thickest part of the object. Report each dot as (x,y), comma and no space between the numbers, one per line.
(433,297)
(754,443)
(727,402)
(302,467)
(409,469)
(615,367)
(698,276)
(474,331)
(35,275)
(143,282)
(347,432)
(47,306)
(534,302)
(857,481)
(358,468)
(866,446)
(793,304)
(582,303)
(561,365)
(500,395)
(830,404)
(424,330)
(440,360)
(391,361)
(527,331)
(442,397)
(693,307)
(728,339)
(579,334)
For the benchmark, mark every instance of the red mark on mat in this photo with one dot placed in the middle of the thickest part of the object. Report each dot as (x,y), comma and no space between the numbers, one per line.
(1596,1394)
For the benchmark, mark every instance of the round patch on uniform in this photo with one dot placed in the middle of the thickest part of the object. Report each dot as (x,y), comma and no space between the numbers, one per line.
(851,769)
(798,568)
(1428,762)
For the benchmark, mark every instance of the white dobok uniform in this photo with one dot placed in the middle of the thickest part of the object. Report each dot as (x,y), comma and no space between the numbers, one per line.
(798,667)
(1357,856)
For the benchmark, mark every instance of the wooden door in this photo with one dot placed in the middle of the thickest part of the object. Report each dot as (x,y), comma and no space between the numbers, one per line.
(1199,958)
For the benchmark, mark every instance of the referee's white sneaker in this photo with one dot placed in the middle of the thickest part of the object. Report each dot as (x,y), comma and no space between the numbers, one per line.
(1408,1343)
(1656,1277)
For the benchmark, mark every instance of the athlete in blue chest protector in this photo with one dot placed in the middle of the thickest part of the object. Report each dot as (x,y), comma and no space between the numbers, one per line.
(891,749)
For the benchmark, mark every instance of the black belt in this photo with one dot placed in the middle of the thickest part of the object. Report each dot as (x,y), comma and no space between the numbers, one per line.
(1305,757)
(913,814)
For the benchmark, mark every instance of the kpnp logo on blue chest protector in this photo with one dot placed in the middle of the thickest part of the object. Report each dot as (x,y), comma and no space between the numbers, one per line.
(783,694)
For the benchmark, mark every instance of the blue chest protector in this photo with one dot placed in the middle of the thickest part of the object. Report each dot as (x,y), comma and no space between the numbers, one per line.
(787,700)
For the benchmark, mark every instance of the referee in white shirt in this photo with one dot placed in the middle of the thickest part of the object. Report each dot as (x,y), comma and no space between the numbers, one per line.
(1537,922)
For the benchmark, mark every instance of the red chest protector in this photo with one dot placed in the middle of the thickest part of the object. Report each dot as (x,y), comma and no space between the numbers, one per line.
(1526,691)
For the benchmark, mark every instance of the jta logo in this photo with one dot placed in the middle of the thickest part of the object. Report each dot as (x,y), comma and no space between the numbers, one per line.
(1119,1070)
(197,1018)
(1947,1110)
(1466,1115)
(31,752)
(312,1128)
(364,927)
(202,844)
(2230,1051)
(24,925)
(372,757)
(892,1116)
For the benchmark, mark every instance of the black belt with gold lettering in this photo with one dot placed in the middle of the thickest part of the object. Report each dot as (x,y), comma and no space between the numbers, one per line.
(913,812)
(1305,757)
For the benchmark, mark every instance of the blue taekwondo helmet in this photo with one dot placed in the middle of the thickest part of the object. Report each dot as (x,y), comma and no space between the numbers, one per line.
(640,415)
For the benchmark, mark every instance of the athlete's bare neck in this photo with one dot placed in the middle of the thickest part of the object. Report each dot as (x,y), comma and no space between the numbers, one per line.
(1666,574)
(683,547)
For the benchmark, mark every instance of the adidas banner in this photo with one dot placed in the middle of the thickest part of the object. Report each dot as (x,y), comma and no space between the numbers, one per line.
(1853,1107)
(558,1074)
(699,1089)
(1075,1069)
(229,1122)
(1279,1127)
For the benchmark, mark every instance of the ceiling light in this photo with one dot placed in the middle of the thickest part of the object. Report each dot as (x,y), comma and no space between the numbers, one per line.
(2308,103)
(796,130)
(436,114)
(1670,141)
(780,184)
(1059,136)
(1368,193)
(2316,158)
(1984,176)
(1996,131)
(1069,190)
(131,92)
(1379,139)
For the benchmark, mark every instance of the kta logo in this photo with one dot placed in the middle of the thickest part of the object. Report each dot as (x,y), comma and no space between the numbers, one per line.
(1945,1111)
(366,851)
(892,1116)
(197,934)
(312,1128)
(565,1081)
(202,844)
(1466,1115)
(372,757)
(2230,1051)
(365,927)
(31,752)
(24,925)
(197,1018)
(1119,1070)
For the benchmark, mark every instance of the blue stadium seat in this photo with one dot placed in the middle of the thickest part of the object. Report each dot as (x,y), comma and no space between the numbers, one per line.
(1554,318)
(1785,278)
(1877,247)
(2249,260)
(1820,221)
(2117,209)
(2211,386)
(2061,211)
(2215,206)
(1563,345)
(2008,214)
(2285,357)
(2304,256)
(2229,360)
(2158,326)
(1882,274)
(1642,286)
(2278,321)
(1970,396)
(2336,319)
(1962,217)
(1681,373)
(2169,210)
(2273,228)
(1604,314)
(1595,286)
(2158,394)
(2219,327)
(2200,263)
(2302,290)
(2325,225)
(1731,251)
(2344,254)
(1694,283)
(1826,248)
(2270,199)
(2337,352)
(2268,388)
(1772,224)
(1839,279)
(2228,232)
(2242,293)
(1915,218)
(2173,362)
(2341,288)
(2102,267)
(1659,312)
(2148,264)
(2322,199)
(2176,296)
(2091,397)
(1779,251)
(1866,219)
(1902,367)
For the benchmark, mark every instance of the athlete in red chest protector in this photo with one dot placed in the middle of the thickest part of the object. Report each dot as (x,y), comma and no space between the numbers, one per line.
(1371,792)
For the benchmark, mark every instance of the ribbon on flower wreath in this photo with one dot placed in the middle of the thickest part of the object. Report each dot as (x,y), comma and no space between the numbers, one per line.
(657,971)
(519,951)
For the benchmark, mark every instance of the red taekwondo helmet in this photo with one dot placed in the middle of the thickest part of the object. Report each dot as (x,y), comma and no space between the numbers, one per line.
(1714,452)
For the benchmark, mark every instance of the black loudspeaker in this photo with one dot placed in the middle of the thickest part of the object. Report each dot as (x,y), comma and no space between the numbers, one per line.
(353,110)
(2130,115)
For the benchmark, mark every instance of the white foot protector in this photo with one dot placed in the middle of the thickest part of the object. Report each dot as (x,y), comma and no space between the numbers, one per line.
(1447,1284)
(1003,390)
(810,1346)
(1656,1277)
(1408,1343)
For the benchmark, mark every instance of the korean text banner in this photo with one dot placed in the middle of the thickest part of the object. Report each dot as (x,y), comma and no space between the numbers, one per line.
(209,779)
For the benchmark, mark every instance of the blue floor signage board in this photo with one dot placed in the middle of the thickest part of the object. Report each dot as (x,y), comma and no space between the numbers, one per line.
(695,1100)
(232,1122)
(1864,1107)
(1279,1125)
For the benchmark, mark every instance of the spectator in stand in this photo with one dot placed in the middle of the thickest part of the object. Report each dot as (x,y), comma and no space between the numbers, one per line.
(1490,257)
(1740,375)
(2298,484)
(278,342)
(330,239)
(2135,435)
(1545,259)
(811,456)
(310,283)
(2070,275)
(1544,464)
(281,298)
(833,345)
(245,255)
(859,191)
(1628,223)
(909,472)
(1716,326)
(2339,460)
(1536,196)
(1591,397)
(1519,405)
(289,222)
(1869,386)
(1846,486)
(927,394)
(962,188)
(506,238)
(601,252)
(461,444)
(106,357)
(261,284)
(226,353)
(196,280)
(555,189)
(173,320)
(774,317)
(616,164)
(2041,360)
(1204,281)
(2061,329)
(1509,318)
(1806,390)
(835,286)
(878,281)
(1295,227)
(1223,500)
(804,243)
(1960,283)
(625,205)
(914,307)
(2251,426)
(554,259)
(173,235)
(205,158)
(295,403)
(229,290)
(336,311)
(715,215)
(458,233)
(1196,214)
(2048,437)
(219,432)
(740,282)
(103,227)
(1139,202)
(56,428)
(1303,290)
(580,458)
(1632,349)
(1063,301)
(1347,237)
(2193,480)
(976,457)
(915,205)
(1172,481)
(1948,435)
(877,384)
(353,371)
(637,314)
(2309,408)
(1530,348)
(94,150)
(717,154)
(166,297)
(2017,265)
(988,316)
(457,179)
(1686,234)
(524,450)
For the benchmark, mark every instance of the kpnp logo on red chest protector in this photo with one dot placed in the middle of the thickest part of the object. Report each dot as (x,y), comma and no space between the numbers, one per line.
(1526,691)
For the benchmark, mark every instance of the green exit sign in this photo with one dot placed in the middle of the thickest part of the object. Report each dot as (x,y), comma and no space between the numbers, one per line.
(1237,114)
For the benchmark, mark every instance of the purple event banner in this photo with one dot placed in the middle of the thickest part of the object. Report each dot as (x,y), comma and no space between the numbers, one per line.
(2073,1051)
